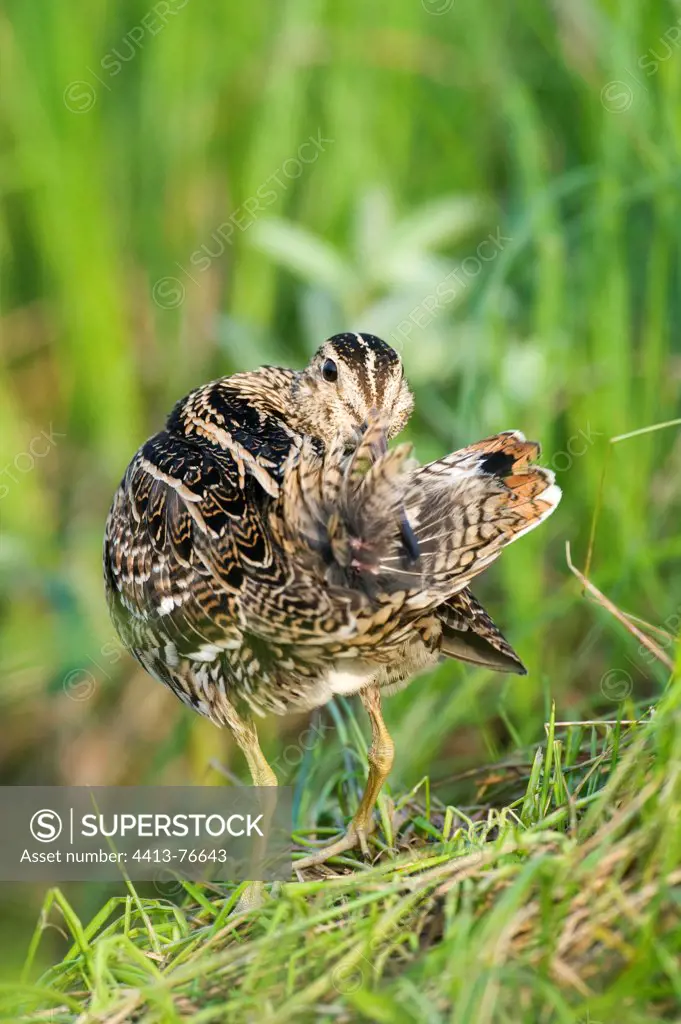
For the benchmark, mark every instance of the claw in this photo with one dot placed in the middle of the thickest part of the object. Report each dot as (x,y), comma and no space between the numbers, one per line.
(355,836)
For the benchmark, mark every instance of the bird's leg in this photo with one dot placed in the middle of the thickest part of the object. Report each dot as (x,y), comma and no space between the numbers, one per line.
(246,736)
(381,755)
(244,732)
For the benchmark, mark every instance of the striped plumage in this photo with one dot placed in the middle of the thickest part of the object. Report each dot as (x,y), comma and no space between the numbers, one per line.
(267,549)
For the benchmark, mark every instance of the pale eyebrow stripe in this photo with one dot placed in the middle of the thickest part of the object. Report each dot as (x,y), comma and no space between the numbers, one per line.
(372,394)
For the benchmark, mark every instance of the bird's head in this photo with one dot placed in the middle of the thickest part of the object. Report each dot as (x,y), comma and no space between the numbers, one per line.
(349,378)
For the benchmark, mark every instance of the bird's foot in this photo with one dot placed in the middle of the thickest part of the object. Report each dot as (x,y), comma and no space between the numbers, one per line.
(252,898)
(356,835)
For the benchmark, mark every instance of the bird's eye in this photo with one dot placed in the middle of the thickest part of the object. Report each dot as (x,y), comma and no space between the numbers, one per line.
(329,371)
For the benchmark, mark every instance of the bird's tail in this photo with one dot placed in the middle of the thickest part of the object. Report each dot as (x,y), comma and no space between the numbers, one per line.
(464,509)
(342,514)
(376,520)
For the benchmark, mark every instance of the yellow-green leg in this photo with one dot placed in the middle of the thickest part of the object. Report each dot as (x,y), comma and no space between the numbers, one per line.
(244,732)
(381,755)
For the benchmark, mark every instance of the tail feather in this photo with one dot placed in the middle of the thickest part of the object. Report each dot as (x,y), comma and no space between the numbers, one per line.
(376,521)
(343,514)
(465,508)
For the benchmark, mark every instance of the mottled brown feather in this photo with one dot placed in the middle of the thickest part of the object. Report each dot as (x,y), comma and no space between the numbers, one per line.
(267,542)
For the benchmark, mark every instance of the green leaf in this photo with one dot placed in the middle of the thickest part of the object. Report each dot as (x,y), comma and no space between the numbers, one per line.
(303,254)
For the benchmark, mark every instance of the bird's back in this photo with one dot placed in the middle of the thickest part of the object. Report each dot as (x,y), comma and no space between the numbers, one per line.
(188,524)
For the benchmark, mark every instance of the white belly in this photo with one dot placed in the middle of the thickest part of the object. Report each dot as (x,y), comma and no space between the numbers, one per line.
(347,679)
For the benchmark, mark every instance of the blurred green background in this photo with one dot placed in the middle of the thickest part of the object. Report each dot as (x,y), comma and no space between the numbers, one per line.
(196,187)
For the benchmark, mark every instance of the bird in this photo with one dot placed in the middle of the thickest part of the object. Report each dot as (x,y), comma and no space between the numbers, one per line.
(269,549)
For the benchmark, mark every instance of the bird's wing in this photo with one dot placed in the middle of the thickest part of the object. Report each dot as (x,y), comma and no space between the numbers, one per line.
(186,527)
(468,634)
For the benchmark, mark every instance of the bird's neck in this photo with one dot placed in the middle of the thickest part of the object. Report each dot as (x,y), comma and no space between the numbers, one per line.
(272,391)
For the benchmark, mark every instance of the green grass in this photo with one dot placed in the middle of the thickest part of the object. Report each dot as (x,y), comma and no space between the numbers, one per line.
(552,897)
(439,131)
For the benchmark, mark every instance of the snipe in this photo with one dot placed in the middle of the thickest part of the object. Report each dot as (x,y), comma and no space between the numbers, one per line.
(267,550)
